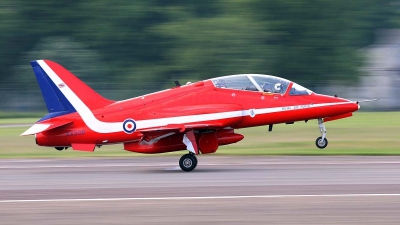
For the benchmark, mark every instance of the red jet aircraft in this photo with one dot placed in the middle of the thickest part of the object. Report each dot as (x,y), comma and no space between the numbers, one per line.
(198,116)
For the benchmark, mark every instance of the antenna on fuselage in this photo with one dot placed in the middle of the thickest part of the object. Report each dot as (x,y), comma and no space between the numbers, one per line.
(177,83)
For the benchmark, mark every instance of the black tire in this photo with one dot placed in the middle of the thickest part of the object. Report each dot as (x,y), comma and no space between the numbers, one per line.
(59,148)
(188,162)
(321,143)
(195,160)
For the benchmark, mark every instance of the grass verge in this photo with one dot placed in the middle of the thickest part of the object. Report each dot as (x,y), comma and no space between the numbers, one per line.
(365,133)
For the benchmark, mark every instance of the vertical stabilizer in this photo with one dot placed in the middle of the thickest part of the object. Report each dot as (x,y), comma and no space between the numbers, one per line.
(62,91)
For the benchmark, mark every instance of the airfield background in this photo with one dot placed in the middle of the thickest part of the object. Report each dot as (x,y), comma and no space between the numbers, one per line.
(128,48)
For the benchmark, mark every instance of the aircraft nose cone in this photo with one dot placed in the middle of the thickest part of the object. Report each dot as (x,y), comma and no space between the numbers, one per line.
(354,106)
(344,106)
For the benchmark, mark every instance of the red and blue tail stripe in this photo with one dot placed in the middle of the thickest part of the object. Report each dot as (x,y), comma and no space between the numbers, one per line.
(57,103)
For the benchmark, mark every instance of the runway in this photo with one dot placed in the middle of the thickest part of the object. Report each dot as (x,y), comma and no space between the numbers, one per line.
(221,190)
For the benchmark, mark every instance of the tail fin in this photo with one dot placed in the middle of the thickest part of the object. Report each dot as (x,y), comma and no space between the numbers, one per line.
(62,91)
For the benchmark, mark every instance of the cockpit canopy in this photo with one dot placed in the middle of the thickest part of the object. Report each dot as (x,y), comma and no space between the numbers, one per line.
(260,83)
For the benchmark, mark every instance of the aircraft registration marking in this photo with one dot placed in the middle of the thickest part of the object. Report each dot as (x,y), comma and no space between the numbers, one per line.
(75,132)
(296,107)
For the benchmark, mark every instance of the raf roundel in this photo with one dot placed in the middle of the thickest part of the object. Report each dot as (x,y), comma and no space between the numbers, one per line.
(129,126)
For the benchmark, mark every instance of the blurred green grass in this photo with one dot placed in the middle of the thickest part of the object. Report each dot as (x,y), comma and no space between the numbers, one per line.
(366,133)
(17,115)
(4,121)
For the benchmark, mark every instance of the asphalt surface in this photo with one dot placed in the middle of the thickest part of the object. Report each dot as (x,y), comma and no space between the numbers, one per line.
(221,190)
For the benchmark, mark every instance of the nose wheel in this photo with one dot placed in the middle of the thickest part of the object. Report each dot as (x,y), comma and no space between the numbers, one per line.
(321,142)
(188,162)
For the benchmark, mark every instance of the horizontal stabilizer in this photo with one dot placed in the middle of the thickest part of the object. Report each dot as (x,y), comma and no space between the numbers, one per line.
(41,127)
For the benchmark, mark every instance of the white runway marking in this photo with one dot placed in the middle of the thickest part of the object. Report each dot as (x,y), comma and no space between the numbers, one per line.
(324,163)
(194,198)
(174,168)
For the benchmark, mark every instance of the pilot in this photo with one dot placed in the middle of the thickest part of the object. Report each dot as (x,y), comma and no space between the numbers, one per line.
(267,87)
(251,88)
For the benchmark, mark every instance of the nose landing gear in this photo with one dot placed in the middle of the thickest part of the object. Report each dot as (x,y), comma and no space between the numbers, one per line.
(321,142)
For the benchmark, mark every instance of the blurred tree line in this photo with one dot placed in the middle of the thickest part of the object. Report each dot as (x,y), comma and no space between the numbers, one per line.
(148,44)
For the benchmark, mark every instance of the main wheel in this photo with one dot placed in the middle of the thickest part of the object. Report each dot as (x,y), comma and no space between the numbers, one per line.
(195,160)
(321,143)
(188,162)
(59,148)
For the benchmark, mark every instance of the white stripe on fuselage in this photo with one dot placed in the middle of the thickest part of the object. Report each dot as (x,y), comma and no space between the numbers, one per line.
(110,127)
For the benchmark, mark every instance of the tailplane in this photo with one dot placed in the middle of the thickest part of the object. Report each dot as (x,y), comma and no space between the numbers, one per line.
(63,92)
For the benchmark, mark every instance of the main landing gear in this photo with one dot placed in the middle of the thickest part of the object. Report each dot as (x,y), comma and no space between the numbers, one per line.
(321,142)
(188,162)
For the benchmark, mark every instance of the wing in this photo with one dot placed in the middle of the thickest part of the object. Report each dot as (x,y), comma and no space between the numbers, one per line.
(209,119)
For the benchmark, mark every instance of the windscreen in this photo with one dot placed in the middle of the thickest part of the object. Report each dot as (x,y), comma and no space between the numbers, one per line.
(299,90)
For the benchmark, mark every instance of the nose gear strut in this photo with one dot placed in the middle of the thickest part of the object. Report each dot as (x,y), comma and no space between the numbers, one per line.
(321,142)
